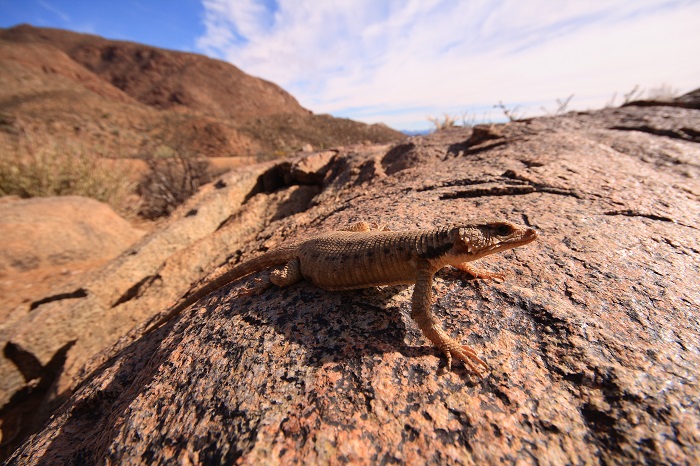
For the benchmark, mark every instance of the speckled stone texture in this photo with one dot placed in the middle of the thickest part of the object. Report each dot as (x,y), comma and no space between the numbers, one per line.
(592,340)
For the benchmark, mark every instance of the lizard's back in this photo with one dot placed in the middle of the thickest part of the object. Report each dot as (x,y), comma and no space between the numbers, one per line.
(351,260)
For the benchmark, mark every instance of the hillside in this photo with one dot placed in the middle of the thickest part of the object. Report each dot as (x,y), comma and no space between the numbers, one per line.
(122,99)
(591,339)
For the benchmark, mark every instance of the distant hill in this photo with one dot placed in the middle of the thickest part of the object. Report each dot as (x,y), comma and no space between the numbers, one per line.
(419,132)
(128,99)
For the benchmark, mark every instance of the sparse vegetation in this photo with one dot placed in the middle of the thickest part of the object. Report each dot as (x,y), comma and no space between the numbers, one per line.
(611,103)
(173,177)
(634,94)
(562,106)
(468,120)
(662,92)
(44,165)
(447,122)
(513,114)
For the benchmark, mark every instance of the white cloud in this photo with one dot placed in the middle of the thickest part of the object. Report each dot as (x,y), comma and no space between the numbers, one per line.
(398,61)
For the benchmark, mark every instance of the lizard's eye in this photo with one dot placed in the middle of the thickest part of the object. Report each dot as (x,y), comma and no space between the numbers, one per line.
(504,230)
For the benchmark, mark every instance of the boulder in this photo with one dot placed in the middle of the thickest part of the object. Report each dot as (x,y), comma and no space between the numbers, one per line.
(60,231)
(592,339)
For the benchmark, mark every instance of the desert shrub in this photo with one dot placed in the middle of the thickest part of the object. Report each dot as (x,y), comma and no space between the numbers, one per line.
(44,165)
(447,122)
(172,178)
(512,113)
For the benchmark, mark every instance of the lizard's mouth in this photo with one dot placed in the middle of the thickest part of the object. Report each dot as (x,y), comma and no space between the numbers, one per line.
(528,236)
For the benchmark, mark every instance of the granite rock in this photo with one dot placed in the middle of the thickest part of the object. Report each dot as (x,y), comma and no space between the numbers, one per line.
(592,340)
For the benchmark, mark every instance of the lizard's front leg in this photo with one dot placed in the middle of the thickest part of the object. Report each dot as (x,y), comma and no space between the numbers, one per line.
(422,314)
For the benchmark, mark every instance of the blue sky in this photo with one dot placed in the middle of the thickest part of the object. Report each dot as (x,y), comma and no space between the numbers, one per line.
(401,61)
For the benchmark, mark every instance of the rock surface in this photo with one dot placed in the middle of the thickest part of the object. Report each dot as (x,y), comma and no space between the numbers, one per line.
(48,242)
(54,231)
(592,340)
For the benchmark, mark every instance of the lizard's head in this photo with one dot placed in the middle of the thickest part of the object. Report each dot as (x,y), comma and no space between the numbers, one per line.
(475,241)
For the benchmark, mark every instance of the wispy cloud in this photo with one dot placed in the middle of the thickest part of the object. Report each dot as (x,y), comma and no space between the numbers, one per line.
(399,61)
(55,10)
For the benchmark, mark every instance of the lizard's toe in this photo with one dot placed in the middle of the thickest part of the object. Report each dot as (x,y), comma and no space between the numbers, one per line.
(259,286)
(465,354)
(472,354)
(451,348)
(469,358)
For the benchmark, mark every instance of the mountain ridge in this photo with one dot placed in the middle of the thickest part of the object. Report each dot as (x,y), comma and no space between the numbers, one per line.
(132,98)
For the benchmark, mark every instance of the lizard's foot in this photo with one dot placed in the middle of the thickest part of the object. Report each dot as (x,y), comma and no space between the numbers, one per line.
(477,273)
(260,286)
(465,354)
(286,275)
(453,349)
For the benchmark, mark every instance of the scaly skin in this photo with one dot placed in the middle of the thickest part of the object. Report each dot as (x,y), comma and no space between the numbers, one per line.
(362,258)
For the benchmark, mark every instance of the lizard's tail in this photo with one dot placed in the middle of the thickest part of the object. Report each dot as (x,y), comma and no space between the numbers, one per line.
(272,258)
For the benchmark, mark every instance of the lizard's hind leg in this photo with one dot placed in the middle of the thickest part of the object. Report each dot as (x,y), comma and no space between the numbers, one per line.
(365,226)
(288,274)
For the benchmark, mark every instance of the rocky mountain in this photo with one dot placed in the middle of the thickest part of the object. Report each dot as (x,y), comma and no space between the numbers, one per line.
(591,340)
(123,99)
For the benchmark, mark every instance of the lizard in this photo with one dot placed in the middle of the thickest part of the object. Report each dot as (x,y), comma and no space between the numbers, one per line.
(363,257)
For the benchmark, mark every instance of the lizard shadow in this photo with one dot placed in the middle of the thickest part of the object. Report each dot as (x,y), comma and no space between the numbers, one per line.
(345,326)
(341,326)
(330,327)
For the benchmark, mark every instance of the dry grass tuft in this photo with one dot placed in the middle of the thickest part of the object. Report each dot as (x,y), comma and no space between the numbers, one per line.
(447,122)
(44,165)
